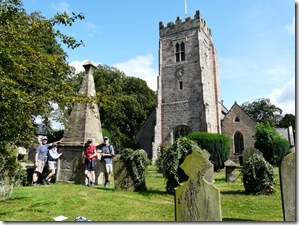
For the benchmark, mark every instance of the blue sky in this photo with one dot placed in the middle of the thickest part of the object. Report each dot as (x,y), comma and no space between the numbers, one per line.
(255,41)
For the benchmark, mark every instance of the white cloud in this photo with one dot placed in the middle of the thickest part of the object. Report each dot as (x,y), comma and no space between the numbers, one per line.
(62,6)
(291,27)
(284,97)
(141,67)
(92,29)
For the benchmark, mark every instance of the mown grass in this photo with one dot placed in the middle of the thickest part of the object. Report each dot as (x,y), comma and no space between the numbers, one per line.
(98,204)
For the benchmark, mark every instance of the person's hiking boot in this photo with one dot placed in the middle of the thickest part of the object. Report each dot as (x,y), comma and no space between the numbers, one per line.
(91,184)
(35,184)
(107,184)
(46,182)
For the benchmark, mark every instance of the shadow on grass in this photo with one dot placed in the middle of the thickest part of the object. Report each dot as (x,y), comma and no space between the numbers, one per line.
(235,219)
(144,193)
(150,192)
(237,192)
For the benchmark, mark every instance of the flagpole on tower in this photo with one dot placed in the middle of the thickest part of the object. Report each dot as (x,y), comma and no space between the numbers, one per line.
(185,8)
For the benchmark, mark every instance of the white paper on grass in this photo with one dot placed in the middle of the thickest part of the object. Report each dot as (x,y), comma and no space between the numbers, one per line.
(60,218)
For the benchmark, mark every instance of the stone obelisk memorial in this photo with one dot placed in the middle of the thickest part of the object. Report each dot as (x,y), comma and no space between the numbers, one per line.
(84,122)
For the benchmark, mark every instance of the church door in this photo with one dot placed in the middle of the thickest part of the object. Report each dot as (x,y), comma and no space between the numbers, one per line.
(239,142)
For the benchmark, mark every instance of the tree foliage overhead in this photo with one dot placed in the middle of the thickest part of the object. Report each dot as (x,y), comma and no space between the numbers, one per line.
(261,110)
(124,102)
(34,73)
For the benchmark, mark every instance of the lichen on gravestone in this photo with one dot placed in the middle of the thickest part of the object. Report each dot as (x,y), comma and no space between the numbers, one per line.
(197,199)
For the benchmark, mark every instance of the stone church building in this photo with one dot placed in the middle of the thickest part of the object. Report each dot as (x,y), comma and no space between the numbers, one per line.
(188,91)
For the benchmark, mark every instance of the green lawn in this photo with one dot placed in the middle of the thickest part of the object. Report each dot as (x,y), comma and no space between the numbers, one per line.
(98,204)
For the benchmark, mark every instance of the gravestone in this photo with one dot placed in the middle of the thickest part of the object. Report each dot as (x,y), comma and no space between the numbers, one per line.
(209,176)
(123,179)
(249,152)
(230,167)
(287,173)
(197,199)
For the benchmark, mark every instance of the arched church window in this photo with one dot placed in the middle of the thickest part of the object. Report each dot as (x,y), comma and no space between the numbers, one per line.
(180,52)
(180,131)
(239,142)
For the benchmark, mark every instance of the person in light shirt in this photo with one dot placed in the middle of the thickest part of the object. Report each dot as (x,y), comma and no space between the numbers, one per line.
(53,156)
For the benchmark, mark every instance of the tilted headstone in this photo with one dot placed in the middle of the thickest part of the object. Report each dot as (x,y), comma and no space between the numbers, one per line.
(287,173)
(197,199)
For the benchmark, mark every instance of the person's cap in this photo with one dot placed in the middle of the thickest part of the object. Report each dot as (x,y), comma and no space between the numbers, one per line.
(106,138)
(44,138)
(54,144)
(89,140)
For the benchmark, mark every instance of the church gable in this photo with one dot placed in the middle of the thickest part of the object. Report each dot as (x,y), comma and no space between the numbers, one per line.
(240,128)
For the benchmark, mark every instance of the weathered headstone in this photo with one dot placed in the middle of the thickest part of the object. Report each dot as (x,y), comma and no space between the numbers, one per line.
(209,176)
(249,152)
(287,173)
(197,199)
(230,167)
(123,179)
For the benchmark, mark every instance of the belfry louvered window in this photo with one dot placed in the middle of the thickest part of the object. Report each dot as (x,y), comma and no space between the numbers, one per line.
(180,52)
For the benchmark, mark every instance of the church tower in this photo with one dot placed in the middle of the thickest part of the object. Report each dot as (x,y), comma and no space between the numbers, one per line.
(188,82)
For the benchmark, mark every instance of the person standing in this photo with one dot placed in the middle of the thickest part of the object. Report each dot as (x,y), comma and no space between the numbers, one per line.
(89,161)
(53,156)
(40,159)
(106,158)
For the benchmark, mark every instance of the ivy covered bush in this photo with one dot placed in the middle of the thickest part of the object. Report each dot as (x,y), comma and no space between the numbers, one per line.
(172,157)
(258,176)
(271,144)
(9,171)
(136,162)
(218,145)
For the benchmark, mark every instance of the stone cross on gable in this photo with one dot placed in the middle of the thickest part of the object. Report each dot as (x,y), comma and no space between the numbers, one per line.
(197,199)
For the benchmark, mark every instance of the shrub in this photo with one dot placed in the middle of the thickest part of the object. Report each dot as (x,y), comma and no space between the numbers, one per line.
(9,171)
(258,176)
(160,158)
(271,144)
(173,156)
(136,162)
(218,145)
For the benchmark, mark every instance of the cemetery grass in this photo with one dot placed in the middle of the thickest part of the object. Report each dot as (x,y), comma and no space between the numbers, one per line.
(98,204)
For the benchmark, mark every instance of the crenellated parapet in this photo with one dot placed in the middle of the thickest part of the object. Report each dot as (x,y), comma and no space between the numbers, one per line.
(196,23)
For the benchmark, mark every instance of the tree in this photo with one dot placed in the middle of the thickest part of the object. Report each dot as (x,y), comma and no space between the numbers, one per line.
(261,110)
(273,146)
(35,76)
(124,103)
(287,120)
